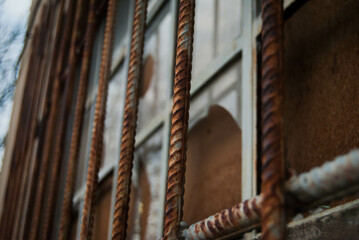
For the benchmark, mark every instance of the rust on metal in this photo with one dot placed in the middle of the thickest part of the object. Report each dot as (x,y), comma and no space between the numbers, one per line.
(62,118)
(238,217)
(42,81)
(26,222)
(96,150)
(320,182)
(329,178)
(273,214)
(20,160)
(179,124)
(16,158)
(77,125)
(129,124)
(45,161)
(5,231)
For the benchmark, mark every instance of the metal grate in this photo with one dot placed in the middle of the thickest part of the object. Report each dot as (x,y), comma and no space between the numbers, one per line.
(30,188)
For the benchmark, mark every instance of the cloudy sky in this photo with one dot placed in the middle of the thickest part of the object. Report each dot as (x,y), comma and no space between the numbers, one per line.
(12,12)
(16,9)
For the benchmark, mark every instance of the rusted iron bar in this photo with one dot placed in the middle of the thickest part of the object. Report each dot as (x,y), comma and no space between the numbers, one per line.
(179,124)
(45,109)
(77,125)
(329,178)
(14,168)
(42,81)
(96,150)
(62,121)
(129,124)
(5,231)
(273,214)
(320,182)
(31,99)
(238,217)
(45,161)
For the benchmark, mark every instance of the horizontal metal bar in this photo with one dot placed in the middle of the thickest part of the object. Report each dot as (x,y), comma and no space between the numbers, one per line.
(239,216)
(340,174)
(329,178)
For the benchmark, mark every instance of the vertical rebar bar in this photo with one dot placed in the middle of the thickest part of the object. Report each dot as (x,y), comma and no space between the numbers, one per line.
(25,110)
(77,125)
(26,221)
(273,214)
(129,123)
(179,125)
(40,75)
(62,120)
(96,150)
(20,156)
(45,161)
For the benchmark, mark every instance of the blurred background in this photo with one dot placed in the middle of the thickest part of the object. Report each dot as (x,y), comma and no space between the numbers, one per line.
(13,23)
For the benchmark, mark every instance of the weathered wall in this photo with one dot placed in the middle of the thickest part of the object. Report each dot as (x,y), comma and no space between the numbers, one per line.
(102,209)
(213,168)
(321,89)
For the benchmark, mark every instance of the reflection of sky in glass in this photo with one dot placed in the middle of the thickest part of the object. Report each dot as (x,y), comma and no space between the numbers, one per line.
(223,91)
(121,27)
(11,13)
(203,43)
(85,146)
(217,25)
(149,155)
(151,4)
(113,120)
(157,46)
(90,107)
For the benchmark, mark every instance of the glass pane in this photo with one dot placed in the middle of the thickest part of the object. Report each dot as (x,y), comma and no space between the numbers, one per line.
(114,115)
(146,202)
(217,25)
(156,79)
(73,225)
(228,25)
(95,65)
(85,146)
(213,166)
(103,209)
(151,5)
(223,90)
(203,44)
(121,29)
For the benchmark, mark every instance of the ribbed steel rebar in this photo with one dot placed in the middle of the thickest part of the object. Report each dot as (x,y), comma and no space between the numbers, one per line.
(273,215)
(238,217)
(96,150)
(26,221)
(320,182)
(35,105)
(5,231)
(179,125)
(129,123)
(77,125)
(45,161)
(21,159)
(329,178)
(64,110)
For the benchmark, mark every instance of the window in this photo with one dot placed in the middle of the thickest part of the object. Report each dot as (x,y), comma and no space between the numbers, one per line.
(213,166)
(225,132)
